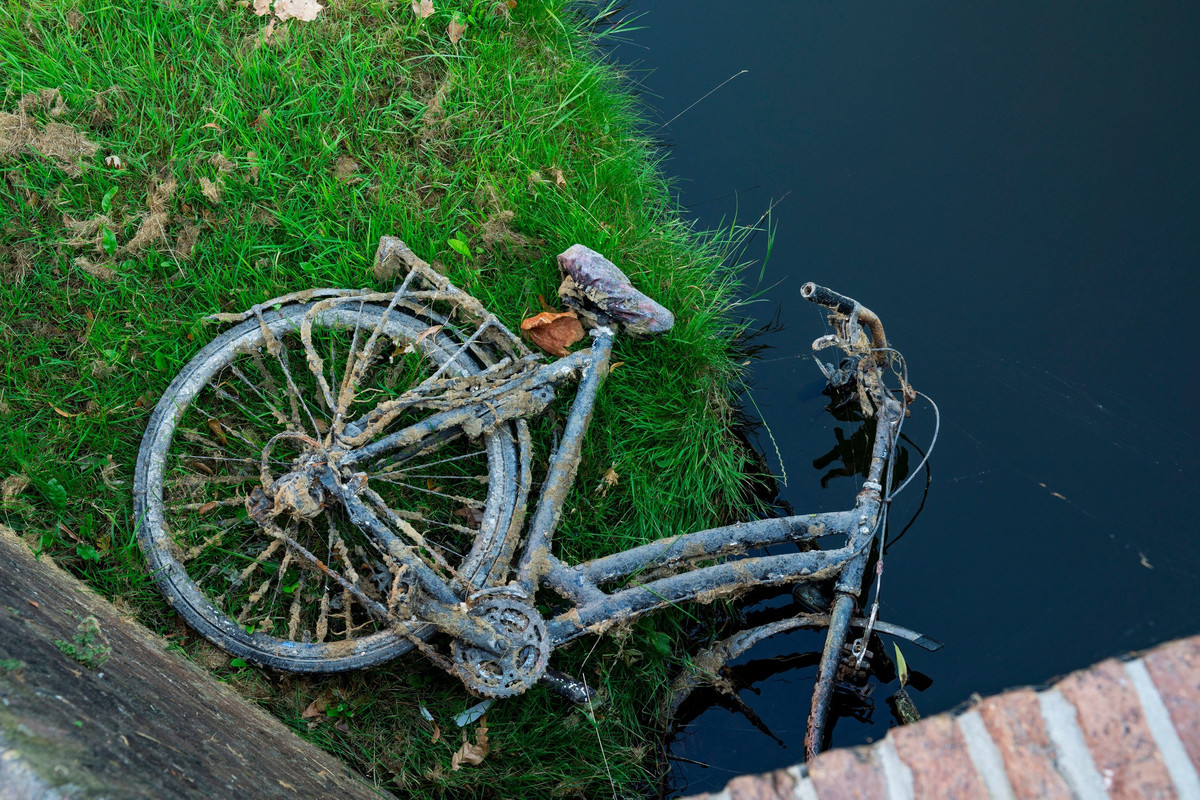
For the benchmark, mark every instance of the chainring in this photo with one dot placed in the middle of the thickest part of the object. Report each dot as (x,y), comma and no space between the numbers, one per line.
(509,611)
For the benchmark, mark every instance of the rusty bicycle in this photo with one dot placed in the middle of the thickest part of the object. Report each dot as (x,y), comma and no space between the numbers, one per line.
(344,474)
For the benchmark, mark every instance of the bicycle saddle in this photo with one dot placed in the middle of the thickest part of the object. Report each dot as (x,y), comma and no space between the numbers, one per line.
(592,283)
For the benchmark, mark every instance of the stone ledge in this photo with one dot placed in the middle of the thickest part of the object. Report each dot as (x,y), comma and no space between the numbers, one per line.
(93,705)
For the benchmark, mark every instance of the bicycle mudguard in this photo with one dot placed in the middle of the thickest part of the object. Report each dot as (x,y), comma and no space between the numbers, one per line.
(593,283)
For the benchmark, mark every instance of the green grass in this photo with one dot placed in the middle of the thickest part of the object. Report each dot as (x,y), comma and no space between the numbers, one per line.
(463,142)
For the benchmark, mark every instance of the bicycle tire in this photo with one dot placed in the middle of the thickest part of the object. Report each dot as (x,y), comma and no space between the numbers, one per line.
(177,538)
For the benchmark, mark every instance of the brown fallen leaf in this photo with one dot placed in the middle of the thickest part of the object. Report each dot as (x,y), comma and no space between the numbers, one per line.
(472,516)
(207,508)
(262,7)
(473,754)
(613,367)
(34,603)
(437,733)
(317,707)
(303,10)
(265,37)
(456,28)
(422,8)
(114,162)
(212,125)
(559,180)
(62,413)
(553,332)
(425,334)
(214,425)
(607,482)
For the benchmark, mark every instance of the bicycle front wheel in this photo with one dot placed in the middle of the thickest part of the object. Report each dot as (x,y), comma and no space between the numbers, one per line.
(248,409)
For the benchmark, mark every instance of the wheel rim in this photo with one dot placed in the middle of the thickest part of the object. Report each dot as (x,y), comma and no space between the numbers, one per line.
(234,582)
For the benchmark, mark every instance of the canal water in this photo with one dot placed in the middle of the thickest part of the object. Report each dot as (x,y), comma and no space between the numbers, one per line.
(1015,189)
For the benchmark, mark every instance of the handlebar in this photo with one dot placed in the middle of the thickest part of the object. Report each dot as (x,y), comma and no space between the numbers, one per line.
(852,310)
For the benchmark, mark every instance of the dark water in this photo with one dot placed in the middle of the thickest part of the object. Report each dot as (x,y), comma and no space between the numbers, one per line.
(1015,188)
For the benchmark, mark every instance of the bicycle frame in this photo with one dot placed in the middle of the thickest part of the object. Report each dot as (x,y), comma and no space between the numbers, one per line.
(594,610)
(698,566)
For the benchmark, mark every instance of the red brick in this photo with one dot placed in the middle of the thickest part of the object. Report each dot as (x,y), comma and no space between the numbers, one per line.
(1014,721)
(846,775)
(777,785)
(1116,732)
(935,751)
(1175,670)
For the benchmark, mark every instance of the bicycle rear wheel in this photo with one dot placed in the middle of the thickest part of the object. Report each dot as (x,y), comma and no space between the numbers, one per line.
(247,410)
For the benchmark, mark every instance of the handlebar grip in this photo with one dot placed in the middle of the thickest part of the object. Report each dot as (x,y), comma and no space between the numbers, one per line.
(850,307)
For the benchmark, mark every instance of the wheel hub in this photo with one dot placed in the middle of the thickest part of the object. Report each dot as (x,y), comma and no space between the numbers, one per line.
(298,495)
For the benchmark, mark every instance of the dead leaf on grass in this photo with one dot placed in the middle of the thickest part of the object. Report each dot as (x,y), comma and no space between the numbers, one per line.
(262,7)
(212,189)
(559,180)
(456,28)
(303,10)
(469,753)
(114,162)
(608,481)
(472,516)
(552,331)
(212,125)
(263,37)
(422,8)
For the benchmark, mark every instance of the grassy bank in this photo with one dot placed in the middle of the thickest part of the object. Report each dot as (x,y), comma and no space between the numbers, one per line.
(162,161)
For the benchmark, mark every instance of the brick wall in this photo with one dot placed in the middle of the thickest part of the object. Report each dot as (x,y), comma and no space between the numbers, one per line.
(1121,729)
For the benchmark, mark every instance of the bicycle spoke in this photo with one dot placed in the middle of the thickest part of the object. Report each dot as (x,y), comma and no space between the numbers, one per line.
(470,501)
(276,348)
(280,417)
